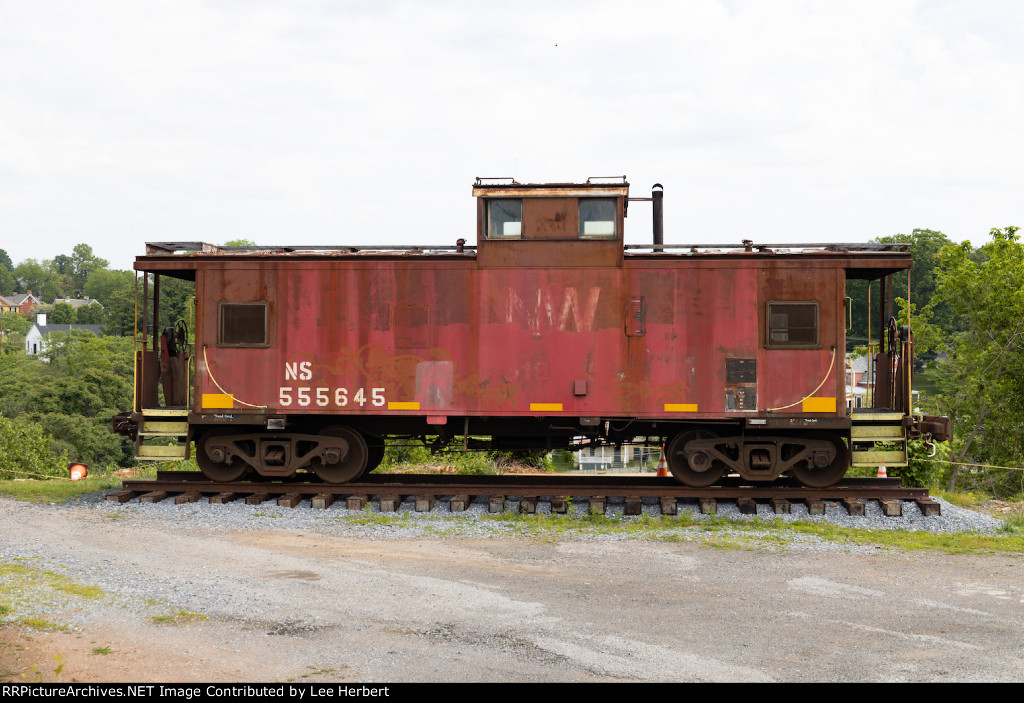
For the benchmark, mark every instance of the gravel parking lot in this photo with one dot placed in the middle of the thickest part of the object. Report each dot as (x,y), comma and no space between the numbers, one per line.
(260,593)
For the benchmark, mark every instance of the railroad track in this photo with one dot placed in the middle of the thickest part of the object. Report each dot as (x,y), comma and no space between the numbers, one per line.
(390,490)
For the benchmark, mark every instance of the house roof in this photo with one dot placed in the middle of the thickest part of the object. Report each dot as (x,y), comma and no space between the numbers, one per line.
(47,329)
(858,364)
(78,302)
(19,298)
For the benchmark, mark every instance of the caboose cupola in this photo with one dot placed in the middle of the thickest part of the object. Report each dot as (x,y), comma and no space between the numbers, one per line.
(550,224)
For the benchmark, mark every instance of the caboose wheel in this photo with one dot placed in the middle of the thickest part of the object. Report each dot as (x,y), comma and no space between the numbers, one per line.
(345,466)
(698,470)
(375,455)
(824,471)
(215,460)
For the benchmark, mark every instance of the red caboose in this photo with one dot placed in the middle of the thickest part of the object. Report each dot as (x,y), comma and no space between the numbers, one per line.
(549,330)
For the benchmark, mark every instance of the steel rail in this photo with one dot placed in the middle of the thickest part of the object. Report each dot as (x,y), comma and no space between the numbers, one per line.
(851,490)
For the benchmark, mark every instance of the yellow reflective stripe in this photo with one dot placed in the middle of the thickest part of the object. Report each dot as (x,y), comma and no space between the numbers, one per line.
(218,400)
(404,406)
(680,407)
(546,407)
(819,405)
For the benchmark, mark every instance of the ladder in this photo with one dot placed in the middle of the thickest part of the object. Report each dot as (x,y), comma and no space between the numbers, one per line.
(872,428)
(159,423)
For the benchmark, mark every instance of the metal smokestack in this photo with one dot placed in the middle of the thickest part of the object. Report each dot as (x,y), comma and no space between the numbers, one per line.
(657,193)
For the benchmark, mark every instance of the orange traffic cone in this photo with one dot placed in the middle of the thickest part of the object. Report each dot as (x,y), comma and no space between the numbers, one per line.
(881,470)
(78,471)
(662,464)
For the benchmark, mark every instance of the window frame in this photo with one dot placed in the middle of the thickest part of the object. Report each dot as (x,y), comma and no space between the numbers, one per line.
(581,201)
(768,329)
(222,304)
(491,202)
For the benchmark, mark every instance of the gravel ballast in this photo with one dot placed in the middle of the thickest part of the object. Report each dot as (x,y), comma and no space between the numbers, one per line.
(406,521)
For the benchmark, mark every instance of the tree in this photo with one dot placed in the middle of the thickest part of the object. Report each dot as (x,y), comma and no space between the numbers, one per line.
(91,314)
(102,283)
(121,313)
(176,299)
(83,263)
(39,278)
(925,245)
(81,381)
(27,452)
(980,383)
(63,314)
(7,280)
(13,328)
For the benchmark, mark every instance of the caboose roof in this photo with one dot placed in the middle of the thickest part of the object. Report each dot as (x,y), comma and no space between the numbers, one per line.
(483,188)
(861,261)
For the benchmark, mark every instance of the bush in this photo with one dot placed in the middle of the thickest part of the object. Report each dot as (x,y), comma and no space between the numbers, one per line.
(924,471)
(27,452)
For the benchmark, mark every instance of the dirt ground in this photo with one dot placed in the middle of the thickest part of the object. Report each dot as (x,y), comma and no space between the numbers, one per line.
(187,603)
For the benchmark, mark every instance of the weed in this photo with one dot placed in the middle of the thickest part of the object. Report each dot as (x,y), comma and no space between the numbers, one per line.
(1013,524)
(42,625)
(57,490)
(181,617)
(102,650)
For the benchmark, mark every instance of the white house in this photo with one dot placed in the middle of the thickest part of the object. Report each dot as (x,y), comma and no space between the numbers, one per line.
(35,340)
(604,457)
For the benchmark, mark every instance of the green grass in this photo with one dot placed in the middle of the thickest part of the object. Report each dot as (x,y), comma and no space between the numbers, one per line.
(182,617)
(57,490)
(759,533)
(42,625)
(26,590)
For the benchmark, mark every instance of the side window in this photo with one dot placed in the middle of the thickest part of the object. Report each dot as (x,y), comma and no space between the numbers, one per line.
(792,325)
(504,218)
(243,325)
(597,217)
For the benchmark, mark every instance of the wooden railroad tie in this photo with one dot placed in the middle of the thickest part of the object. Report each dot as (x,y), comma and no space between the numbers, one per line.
(289,500)
(780,506)
(459,503)
(188,497)
(390,503)
(495,504)
(708,506)
(634,505)
(322,501)
(221,498)
(560,504)
(853,506)
(815,506)
(747,506)
(357,502)
(425,503)
(891,508)
(528,505)
(122,496)
(928,506)
(598,505)
(153,497)
(257,498)
(669,505)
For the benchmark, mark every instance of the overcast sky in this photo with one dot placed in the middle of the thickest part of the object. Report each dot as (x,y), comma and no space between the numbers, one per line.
(332,122)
